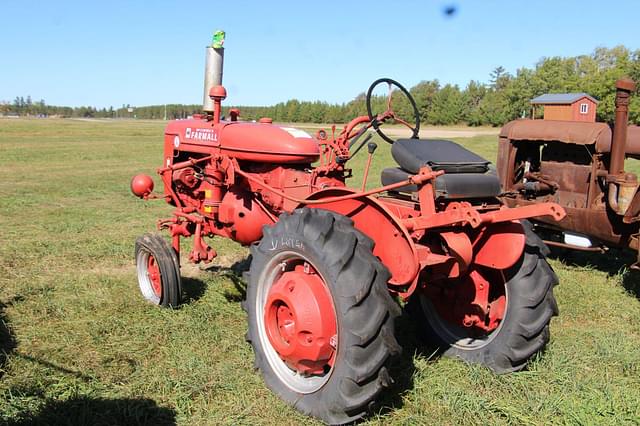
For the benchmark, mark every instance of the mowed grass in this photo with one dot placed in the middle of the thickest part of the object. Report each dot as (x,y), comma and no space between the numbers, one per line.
(82,347)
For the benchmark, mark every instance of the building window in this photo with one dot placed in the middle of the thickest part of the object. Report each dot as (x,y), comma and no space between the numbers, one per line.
(584,108)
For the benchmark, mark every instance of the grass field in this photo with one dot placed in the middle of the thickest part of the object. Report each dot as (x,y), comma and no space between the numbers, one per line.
(82,347)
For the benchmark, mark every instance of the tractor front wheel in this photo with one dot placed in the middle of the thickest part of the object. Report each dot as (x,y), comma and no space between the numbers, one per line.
(321,320)
(513,327)
(158,271)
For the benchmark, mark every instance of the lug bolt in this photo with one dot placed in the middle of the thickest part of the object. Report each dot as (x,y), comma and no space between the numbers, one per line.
(333,341)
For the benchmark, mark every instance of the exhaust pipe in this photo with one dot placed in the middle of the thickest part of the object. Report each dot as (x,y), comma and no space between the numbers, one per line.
(213,62)
(622,186)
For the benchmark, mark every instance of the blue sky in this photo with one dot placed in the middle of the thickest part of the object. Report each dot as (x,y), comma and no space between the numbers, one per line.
(152,52)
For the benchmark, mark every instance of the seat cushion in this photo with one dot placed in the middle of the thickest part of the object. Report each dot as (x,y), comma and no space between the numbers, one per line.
(411,154)
(450,186)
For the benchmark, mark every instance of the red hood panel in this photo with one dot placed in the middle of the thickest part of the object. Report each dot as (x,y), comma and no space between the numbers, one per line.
(248,141)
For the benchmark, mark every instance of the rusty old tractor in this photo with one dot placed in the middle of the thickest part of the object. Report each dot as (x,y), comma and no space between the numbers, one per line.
(581,166)
(331,264)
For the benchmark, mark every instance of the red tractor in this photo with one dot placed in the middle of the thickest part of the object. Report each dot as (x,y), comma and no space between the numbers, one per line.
(330,264)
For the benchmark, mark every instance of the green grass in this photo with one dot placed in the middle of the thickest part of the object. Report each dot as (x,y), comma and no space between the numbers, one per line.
(84,348)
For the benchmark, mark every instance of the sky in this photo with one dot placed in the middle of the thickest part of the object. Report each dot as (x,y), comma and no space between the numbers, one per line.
(152,52)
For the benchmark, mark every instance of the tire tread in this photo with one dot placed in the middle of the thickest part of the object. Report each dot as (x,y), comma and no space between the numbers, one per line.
(364,306)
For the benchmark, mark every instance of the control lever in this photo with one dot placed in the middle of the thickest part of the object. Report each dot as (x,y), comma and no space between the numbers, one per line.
(367,139)
(371,147)
(343,160)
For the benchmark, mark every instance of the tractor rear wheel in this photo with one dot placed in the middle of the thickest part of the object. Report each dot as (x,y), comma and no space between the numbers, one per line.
(521,305)
(321,320)
(158,271)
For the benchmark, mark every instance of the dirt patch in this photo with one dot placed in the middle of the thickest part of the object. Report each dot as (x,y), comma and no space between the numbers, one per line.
(442,133)
(222,261)
(114,270)
(397,131)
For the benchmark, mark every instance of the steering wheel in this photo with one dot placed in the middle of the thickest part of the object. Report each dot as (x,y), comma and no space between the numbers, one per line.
(389,114)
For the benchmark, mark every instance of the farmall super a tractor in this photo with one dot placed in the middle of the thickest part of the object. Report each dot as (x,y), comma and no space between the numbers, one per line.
(581,166)
(330,264)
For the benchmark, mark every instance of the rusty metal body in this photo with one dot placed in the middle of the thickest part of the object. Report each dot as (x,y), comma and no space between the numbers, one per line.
(580,166)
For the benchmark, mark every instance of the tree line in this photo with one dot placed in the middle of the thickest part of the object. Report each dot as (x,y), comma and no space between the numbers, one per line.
(505,97)
(26,107)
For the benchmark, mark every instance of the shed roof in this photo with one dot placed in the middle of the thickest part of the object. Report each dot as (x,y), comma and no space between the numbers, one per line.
(561,98)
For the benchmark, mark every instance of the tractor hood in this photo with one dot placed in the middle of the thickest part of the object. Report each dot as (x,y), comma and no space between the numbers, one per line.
(260,142)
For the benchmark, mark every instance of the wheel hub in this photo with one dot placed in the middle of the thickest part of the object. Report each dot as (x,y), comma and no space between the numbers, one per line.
(153,271)
(471,303)
(300,321)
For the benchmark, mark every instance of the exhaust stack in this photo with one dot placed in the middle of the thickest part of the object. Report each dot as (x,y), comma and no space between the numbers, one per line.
(214,59)
(624,87)
(622,186)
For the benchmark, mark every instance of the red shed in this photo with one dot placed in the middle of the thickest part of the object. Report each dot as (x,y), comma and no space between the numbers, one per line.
(567,106)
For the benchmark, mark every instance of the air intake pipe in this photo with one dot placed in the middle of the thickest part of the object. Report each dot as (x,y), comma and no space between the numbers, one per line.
(622,186)
(213,62)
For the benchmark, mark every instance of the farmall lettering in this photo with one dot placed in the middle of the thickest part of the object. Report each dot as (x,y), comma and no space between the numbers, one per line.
(203,135)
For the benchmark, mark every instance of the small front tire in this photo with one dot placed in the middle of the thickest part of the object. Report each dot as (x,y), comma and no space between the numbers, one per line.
(158,271)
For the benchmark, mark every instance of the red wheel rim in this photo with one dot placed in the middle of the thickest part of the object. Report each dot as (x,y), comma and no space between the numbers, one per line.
(153,271)
(300,320)
(475,304)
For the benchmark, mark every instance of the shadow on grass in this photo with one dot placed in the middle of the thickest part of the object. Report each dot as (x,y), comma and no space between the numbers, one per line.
(402,367)
(78,411)
(613,262)
(7,339)
(8,346)
(194,288)
(97,412)
(631,283)
(235,273)
(53,366)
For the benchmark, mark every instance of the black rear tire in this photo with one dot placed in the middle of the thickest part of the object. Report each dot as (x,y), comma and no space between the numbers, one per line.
(524,330)
(365,313)
(168,286)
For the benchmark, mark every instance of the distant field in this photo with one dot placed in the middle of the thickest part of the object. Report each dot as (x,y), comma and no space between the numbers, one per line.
(399,130)
(82,347)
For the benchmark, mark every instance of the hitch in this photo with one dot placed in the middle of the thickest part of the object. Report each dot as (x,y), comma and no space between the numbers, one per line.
(463,213)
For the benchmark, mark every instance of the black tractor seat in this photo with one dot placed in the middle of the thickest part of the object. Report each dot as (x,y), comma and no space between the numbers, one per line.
(467,175)
(411,154)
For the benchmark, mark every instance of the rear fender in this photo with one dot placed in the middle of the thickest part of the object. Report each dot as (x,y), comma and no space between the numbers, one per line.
(500,245)
(393,245)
